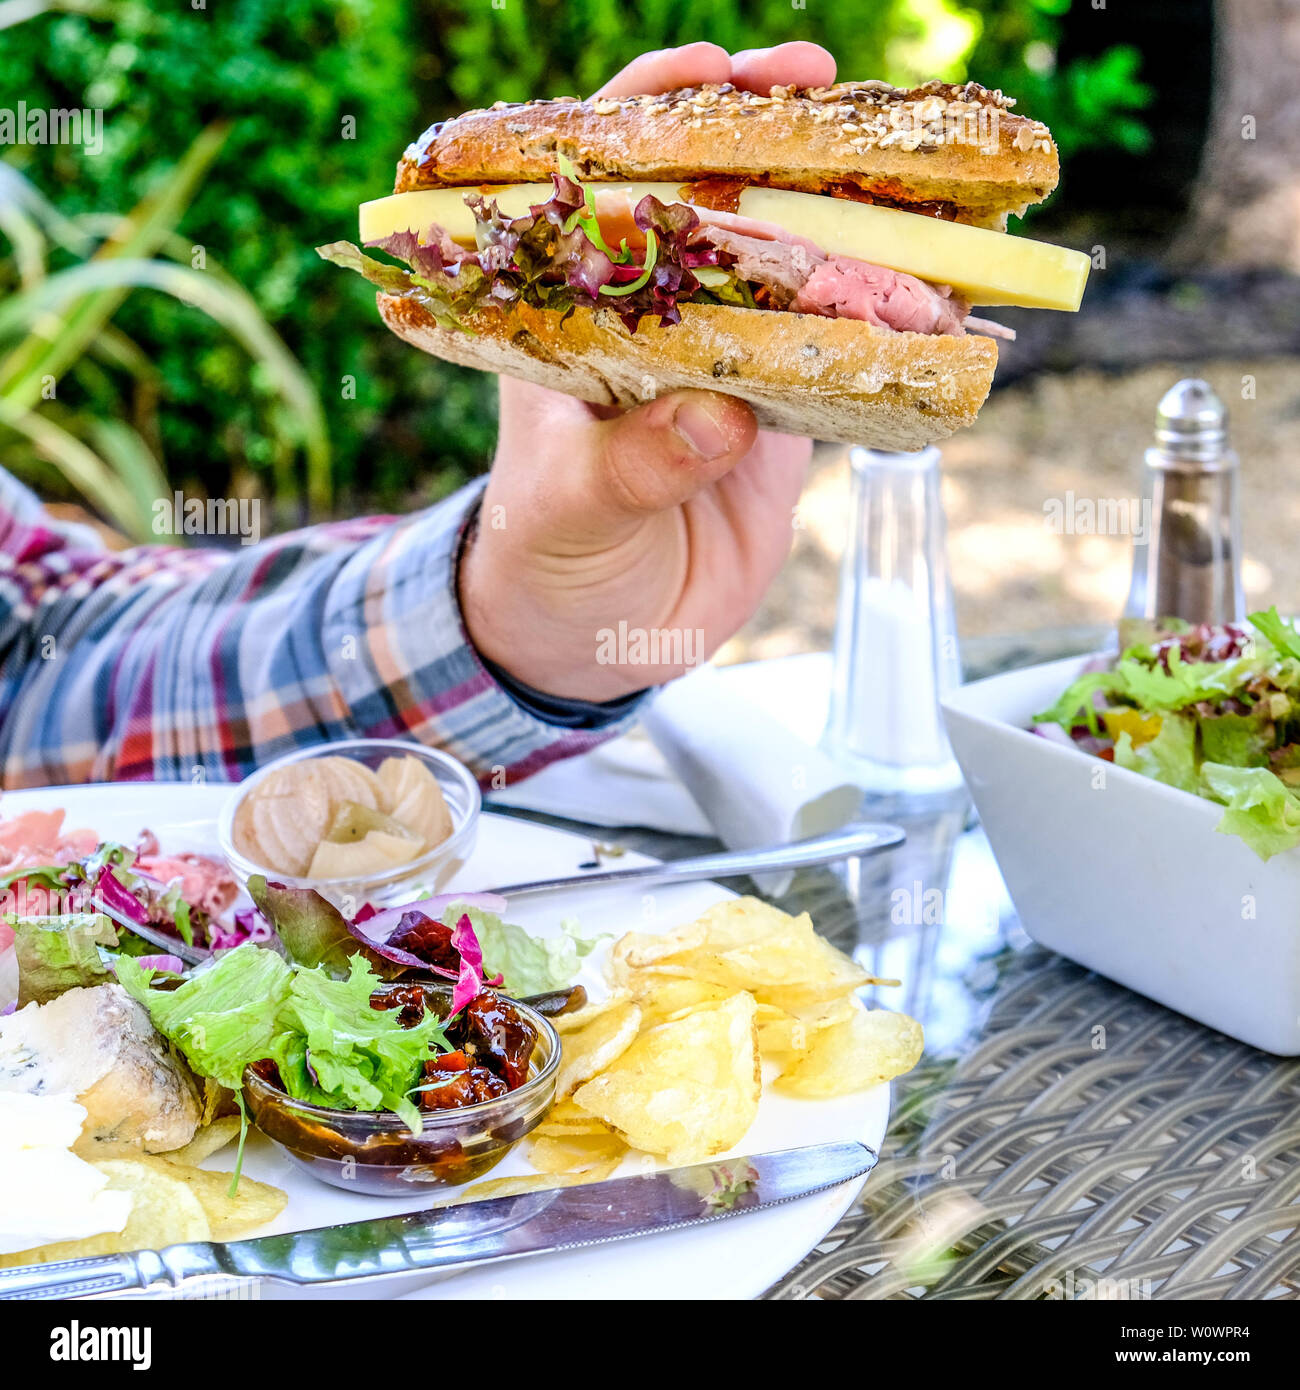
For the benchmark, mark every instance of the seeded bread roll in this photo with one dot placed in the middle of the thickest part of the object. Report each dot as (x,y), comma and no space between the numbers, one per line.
(959,147)
(803,374)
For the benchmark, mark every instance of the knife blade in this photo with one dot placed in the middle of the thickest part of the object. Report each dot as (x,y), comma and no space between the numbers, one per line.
(498,1228)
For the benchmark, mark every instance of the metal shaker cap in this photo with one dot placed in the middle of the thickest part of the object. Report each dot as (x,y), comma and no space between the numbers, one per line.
(1192,422)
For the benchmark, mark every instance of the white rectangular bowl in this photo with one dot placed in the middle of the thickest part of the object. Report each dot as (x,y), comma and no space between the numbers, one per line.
(1127,876)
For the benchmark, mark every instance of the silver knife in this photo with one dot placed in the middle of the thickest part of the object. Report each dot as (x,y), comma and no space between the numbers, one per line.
(848,842)
(500,1228)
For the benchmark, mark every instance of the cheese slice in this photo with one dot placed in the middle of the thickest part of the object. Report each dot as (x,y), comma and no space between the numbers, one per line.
(984,266)
(405,212)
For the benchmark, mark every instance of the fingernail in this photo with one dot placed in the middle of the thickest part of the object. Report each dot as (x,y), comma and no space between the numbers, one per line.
(701,429)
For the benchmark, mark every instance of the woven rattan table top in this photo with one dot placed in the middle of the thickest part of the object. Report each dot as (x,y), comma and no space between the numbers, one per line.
(1062,1136)
(1089,1144)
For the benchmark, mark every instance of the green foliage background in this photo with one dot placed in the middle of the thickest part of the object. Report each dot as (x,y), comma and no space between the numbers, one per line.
(323,95)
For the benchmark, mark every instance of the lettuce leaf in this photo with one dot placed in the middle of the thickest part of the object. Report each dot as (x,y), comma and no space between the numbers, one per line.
(1183,683)
(336,1049)
(1226,700)
(1152,687)
(1170,757)
(1076,706)
(223,1017)
(331,1046)
(1283,637)
(723,287)
(529,964)
(59,953)
(312,929)
(1260,808)
(1239,740)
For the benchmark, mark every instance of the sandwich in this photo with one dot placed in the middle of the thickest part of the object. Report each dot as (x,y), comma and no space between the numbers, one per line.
(817,252)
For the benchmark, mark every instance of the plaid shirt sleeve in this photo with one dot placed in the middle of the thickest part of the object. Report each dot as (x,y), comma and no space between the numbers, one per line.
(196,664)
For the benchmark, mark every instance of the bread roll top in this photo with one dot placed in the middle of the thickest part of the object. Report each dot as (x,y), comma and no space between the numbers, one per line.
(941,149)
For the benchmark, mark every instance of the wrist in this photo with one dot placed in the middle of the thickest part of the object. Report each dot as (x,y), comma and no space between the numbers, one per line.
(519,626)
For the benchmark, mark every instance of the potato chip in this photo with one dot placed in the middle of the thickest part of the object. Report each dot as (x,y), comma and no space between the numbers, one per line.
(743,980)
(869,1047)
(253,1205)
(163,1212)
(590,1050)
(743,921)
(637,951)
(735,922)
(207,1141)
(743,943)
(555,1154)
(663,998)
(793,969)
(781,1033)
(529,1182)
(580,1018)
(686,1089)
(565,1118)
(217,1102)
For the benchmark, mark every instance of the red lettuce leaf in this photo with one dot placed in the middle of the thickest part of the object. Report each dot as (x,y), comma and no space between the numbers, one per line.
(552,257)
(313,931)
(248,925)
(110,890)
(470,982)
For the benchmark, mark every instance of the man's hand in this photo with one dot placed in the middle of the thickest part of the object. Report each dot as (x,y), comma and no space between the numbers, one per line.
(673,517)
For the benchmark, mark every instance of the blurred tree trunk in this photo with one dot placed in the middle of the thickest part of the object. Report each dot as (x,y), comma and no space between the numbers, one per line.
(1245,207)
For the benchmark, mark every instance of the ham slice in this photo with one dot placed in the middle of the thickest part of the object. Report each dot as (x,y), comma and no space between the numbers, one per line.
(989,328)
(803,278)
(37,837)
(206,883)
(783,268)
(752,227)
(842,288)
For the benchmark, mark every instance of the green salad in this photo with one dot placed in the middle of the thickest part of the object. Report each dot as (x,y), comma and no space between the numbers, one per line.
(1210,710)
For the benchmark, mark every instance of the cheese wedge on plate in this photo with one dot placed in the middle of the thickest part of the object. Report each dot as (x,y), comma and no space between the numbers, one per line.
(986,267)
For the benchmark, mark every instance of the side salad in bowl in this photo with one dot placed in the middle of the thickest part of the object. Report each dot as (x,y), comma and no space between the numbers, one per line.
(1211,710)
(354,1077)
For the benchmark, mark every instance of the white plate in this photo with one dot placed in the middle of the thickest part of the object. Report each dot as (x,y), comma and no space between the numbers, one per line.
(738,1258)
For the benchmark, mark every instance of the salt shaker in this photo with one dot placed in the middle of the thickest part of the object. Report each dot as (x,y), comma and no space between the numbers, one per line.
(1187,552)
(895,651)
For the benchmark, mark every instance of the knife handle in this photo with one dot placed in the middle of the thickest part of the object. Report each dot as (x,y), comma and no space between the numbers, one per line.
(99,1275)
(85,1278)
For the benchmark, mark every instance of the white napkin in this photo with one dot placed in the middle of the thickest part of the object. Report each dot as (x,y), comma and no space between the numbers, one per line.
(708,760)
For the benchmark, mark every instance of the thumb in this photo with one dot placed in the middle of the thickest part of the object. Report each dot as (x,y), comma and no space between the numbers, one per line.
(664,452)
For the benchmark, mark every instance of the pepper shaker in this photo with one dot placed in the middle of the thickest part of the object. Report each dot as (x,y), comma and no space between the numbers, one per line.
(1187,553)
